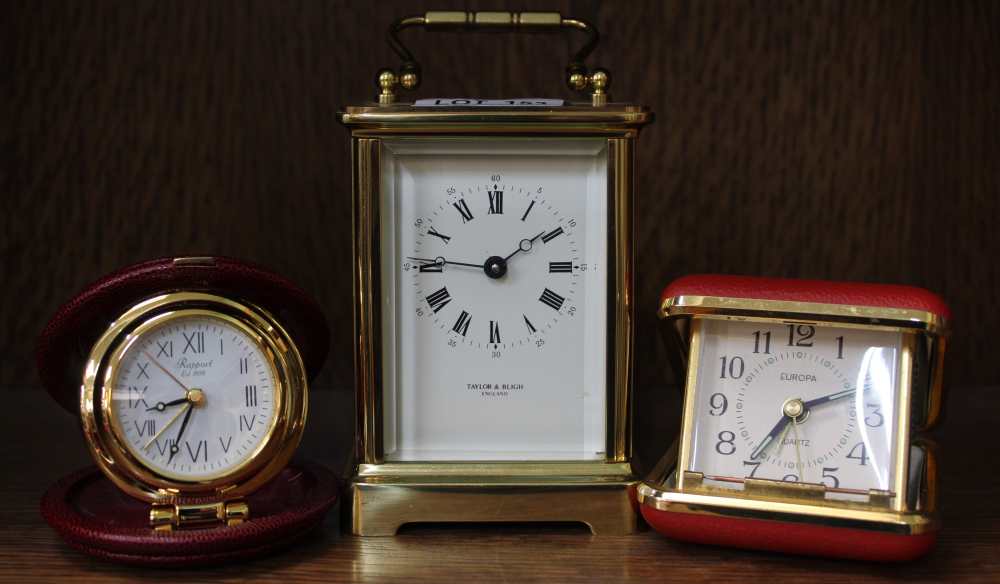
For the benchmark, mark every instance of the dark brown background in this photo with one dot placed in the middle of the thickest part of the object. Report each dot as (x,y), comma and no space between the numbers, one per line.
(846,140)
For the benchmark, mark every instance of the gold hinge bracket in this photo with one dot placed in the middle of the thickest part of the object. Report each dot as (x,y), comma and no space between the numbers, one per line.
(187,516)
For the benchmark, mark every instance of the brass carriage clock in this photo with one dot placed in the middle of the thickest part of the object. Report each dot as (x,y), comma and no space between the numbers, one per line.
(493,244)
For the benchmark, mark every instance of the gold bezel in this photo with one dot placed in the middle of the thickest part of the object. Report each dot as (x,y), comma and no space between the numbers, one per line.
(674,487)
(387,495)
(107,445)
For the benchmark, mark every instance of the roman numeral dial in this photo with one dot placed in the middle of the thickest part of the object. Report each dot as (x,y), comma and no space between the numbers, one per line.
(463,209)
(434,232)
(462,324)
(439,299)
(551,299)
(193,396)
(496,201)
(494,267)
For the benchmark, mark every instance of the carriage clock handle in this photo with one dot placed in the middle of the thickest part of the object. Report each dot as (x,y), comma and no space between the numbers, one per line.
(578,78)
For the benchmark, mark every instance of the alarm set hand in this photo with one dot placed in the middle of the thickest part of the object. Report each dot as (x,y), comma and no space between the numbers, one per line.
(798,453)
(167,425)
(164,369)
(193,397)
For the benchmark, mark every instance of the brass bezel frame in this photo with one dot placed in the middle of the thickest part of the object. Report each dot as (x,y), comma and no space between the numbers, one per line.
(388,495)
(671,487)
(114,458)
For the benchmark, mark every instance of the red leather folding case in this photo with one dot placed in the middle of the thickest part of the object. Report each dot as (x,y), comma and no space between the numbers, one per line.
(790,535)
(97,518)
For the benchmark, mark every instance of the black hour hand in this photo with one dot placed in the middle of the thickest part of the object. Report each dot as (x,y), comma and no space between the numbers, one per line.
(441,261)
(160,406)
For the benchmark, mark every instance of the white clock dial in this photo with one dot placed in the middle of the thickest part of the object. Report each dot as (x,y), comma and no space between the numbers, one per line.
(796,402)
(494,259)
(193,398)
(499,283)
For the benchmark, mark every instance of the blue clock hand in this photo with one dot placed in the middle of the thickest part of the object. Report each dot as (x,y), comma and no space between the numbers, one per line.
(777,429)
(829,398)
(792,411)
(790,415)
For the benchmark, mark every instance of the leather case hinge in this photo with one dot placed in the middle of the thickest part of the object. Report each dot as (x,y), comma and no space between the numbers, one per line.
(188,516)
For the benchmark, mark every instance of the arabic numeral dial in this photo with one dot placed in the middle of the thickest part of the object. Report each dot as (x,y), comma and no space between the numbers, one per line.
(798,402)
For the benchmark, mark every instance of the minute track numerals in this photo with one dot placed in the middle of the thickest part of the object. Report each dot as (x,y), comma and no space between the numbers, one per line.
(495,267)
(205,399)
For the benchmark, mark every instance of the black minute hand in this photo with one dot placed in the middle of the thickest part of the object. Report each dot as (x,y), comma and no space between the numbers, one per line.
(174,448)
(443,261)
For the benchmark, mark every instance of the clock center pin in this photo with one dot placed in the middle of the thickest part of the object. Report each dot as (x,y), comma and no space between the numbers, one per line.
(795,409)
(495,267)
(195,396)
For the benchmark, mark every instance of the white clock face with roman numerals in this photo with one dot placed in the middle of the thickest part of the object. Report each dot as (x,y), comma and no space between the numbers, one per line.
(541,267)
(193,398)
(495,314)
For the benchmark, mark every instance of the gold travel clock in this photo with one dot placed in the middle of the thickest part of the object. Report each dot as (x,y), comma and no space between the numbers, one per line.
(493,245)
(190,401)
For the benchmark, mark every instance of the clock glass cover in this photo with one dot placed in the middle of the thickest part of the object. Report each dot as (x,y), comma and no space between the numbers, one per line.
(799,403)
(193,396)
(495,314)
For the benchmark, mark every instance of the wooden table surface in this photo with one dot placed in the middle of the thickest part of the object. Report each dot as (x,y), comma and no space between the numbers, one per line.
(41,443)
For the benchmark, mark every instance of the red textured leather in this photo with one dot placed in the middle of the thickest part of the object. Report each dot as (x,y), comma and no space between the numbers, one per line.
(823,291)
(97,518)
(796,538)
(66,340)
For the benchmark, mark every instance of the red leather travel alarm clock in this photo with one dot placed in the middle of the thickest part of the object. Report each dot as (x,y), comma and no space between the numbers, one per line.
(802,402)
(190,377)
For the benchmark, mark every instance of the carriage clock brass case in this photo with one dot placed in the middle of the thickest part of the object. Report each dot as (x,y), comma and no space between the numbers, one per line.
(671,486)
(385,495)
